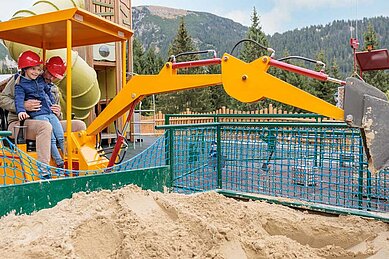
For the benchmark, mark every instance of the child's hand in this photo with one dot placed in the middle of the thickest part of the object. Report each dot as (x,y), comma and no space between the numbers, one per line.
(23,116)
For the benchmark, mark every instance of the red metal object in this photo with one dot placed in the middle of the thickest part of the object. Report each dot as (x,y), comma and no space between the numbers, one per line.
(116,149)
(75,167)
(354,43)
(196,63)
(299,70)
(373,60)
(304,71)
(120,139)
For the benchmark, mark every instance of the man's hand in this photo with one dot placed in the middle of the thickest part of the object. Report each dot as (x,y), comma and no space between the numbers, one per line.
(23,116)
(56,109)
(32,105)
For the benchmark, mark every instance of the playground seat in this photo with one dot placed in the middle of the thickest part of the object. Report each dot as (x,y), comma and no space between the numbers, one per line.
(3,119)
(31,144)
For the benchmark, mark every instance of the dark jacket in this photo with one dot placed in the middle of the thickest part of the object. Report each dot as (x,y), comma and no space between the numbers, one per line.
(33,89)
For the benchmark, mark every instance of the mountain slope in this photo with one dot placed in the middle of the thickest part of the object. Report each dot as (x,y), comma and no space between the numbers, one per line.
(332,38)
(157,26)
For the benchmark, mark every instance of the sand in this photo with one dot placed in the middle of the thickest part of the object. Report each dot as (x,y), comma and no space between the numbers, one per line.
(132,223)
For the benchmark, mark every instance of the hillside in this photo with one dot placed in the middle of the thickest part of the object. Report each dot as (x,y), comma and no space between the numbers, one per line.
(157,26)
(332,38)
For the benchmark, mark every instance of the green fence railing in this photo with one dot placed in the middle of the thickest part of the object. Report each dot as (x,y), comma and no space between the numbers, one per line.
(321,163)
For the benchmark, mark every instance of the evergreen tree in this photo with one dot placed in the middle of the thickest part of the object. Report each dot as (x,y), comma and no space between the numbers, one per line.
(197,100)
(218,96)
(153,63)
(370,38)
(182,43)
(250,52)
(146,63)
(138,52)
(334,72)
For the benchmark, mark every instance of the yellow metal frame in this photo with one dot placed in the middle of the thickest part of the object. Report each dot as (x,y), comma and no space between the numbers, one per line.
(49,30)
(250,82)
(66,29)
(246,82)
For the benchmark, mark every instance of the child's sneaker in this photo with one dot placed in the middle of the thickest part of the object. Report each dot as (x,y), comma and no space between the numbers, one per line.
(45,175)
(60,169)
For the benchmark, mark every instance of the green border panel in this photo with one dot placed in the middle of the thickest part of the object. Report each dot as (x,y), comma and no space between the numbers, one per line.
(29,197)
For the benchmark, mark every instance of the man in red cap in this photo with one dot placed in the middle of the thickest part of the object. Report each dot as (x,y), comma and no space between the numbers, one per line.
(37,130)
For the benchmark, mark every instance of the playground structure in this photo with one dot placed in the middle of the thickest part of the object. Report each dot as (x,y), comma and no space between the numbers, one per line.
(278,150)
(96,69)
(86,93)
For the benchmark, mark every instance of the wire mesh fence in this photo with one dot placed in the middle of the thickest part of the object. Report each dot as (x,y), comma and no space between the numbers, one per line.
(317,162)
(321,163)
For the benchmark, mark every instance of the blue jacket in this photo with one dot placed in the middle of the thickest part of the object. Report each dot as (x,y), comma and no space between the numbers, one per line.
(37,89)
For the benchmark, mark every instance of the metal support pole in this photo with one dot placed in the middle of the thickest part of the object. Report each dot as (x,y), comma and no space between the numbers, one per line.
(69,92)
(219,158)
(360,174)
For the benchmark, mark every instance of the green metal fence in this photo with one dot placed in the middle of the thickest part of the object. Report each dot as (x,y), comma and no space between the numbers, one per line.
(319,163)
(316,164)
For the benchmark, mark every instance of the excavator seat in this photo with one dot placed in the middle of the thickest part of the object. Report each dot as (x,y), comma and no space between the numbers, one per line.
(31,144)
(3,119)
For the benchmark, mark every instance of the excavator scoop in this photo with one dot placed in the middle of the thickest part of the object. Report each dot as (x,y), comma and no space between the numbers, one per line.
(367,108)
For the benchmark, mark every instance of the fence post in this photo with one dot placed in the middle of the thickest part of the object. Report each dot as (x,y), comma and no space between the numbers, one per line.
(170,160)
(315,153)
(219,157)
(360,174)
(169,149)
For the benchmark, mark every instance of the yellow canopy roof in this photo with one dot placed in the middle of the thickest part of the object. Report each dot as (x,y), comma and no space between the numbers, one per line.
(49,30)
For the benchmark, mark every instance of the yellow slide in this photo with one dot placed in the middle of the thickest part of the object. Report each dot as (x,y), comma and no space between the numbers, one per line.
(85,87)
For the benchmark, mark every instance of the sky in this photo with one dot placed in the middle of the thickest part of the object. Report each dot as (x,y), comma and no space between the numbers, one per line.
(275,15)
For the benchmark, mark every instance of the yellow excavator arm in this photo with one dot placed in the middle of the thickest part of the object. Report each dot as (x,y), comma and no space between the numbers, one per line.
(246,82)
(364,105)
(143,85)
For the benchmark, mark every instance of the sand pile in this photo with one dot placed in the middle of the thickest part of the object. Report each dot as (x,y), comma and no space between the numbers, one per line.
(132,223)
